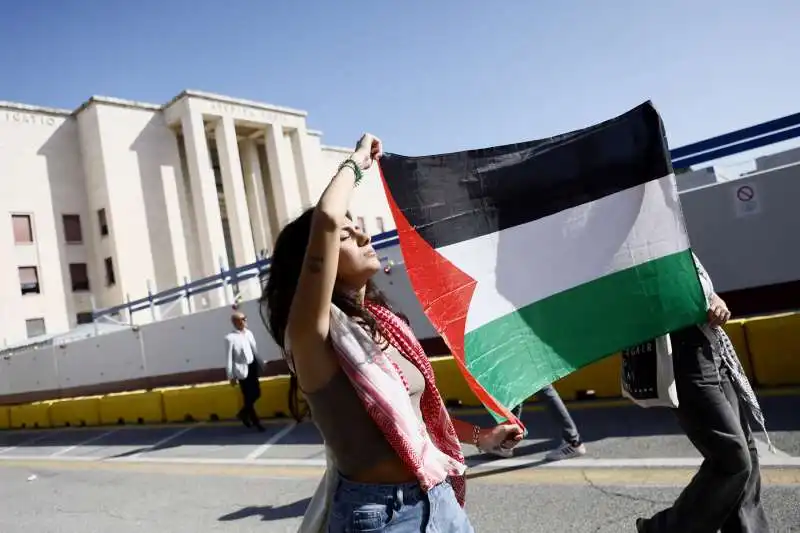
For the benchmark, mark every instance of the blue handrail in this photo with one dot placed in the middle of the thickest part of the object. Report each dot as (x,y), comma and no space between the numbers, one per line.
(233,276)
(742,140)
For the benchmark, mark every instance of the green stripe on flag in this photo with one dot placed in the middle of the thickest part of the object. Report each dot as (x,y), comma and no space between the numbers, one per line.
(518,354)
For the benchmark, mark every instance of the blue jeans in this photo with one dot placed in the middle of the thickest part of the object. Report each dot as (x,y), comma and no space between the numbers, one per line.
(401,508)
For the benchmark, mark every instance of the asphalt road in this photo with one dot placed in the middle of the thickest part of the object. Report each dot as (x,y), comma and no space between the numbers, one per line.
(189,499)
(222,478)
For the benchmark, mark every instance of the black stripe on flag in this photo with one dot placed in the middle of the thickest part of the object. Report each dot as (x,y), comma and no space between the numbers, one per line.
(454,197)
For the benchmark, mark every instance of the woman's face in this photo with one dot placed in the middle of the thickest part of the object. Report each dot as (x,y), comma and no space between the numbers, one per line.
(357,260)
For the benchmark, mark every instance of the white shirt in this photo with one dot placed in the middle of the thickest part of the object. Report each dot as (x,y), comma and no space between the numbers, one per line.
(242,350)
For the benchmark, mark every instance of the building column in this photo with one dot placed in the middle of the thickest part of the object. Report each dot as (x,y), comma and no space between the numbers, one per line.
(286,196)
(236,203)
(170,182)
(305,164)
(256,198)
(210,237)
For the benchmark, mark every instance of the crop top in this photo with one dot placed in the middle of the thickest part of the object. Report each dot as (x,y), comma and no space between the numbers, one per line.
(356,441)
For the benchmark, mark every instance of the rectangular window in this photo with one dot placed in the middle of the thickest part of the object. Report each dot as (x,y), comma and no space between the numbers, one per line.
(110,278)
(361,224)
(35,327)
(29,280)
(72,229)
(79,276)
(84,318)
(379,222)
(102,222)
(23,230)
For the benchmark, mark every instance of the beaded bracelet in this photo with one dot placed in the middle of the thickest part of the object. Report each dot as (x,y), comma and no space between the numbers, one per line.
(349,163)
(476,432)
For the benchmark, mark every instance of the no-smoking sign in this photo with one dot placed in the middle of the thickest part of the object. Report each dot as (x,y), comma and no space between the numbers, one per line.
(746,200)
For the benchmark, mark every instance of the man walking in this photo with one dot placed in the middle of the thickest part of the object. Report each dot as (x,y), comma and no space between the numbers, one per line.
(715,400)
(572,446)
(244,367)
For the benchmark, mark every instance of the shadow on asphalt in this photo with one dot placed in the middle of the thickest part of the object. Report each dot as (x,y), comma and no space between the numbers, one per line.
(268,513)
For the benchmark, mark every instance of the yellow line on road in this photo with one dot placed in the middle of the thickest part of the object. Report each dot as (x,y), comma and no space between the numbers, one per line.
(784,476)
(617,476)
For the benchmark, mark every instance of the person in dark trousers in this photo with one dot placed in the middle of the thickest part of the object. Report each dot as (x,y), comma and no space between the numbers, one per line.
(244,367)
(571,445)
(714,402)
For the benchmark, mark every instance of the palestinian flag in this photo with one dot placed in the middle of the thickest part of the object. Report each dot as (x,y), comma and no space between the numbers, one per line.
(535,259)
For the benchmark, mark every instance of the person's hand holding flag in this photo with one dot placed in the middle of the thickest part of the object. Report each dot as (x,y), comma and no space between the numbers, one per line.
(504,436)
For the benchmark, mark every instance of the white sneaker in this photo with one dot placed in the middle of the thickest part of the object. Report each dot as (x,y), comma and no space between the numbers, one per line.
(505,453)
(566,451)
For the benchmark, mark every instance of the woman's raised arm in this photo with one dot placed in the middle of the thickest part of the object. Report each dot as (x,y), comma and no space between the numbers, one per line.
(309,315)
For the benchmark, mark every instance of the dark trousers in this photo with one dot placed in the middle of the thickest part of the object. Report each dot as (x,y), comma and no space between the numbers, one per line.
(251,392)
(559,413)
(725,494)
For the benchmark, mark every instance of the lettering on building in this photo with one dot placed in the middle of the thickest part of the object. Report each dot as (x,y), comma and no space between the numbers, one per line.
(18,117)
(245,112)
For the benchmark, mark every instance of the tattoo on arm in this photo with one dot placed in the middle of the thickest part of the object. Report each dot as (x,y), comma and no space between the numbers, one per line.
(314,264)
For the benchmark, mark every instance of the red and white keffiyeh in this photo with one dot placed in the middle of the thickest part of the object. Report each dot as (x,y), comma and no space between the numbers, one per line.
(383,389)
(431,450)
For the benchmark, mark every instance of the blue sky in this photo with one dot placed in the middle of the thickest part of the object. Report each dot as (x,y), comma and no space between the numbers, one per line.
(427,76)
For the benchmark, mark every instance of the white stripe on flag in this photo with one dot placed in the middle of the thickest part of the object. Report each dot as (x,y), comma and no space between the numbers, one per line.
(525,264)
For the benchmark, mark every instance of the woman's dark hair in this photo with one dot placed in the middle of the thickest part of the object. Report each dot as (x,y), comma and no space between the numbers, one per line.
(281,284)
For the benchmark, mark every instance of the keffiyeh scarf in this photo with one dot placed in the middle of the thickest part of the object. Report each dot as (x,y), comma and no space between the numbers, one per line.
(723,349)
(430,449)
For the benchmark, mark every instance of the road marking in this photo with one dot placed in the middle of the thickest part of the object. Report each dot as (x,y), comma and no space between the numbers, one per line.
(627,477)
(84,443)
(293,463)
(273,440)
(653,463)
(764,451)
(166,439)
(29,441)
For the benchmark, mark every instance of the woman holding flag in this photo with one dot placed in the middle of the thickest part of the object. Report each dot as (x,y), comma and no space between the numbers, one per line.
(396,462)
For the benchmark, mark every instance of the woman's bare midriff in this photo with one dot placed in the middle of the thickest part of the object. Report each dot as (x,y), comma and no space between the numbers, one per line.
(389,472)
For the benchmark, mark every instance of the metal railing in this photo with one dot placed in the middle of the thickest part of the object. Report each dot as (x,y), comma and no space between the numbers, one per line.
(742,140)
(222,280)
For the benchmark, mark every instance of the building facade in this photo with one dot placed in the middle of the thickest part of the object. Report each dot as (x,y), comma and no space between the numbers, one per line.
(116,199)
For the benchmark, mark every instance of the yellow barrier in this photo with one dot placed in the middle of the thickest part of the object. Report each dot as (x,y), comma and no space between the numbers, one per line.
(139,407)
(5,417)
(274,401)
(30,415)
(601,377)
(76,412)
(217,401)
(452,385)
(221,401)
(768,347)
(735,330)
(775,349)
